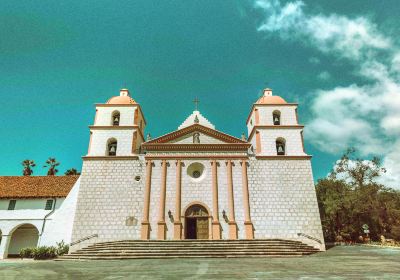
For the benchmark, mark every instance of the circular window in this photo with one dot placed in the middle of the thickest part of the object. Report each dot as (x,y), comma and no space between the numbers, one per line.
(137,178)
(196,171)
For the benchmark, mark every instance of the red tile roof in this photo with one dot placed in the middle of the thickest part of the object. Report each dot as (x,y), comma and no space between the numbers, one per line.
(36,186)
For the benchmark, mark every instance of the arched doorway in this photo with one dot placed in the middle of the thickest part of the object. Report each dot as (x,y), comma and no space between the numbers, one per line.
(25,235)
(196,222)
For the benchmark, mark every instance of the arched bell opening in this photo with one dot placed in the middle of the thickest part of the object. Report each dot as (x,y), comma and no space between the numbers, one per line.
(276,117)
(280,146)
(115,118)
(197,220)
(23,236)
(111,147)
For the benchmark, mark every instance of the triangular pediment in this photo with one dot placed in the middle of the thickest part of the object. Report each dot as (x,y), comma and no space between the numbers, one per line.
(206,135)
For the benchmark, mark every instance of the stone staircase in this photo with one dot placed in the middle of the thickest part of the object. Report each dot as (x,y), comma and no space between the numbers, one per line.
(155,249)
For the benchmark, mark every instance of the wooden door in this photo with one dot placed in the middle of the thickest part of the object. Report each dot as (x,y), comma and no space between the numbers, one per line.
(202,228)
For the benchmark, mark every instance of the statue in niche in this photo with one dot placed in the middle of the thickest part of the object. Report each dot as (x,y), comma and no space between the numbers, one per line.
(196,138)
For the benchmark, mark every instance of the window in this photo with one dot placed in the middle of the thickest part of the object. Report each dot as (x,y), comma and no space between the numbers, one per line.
(112,147)
(11,204)
(49,204)
(276,116)
(196,174)
(280,146)
(196,171)
(115,118)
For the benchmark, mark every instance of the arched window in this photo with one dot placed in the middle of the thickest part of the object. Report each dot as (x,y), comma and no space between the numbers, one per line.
(276,117)
(112,147)
(115,118)
(280,147)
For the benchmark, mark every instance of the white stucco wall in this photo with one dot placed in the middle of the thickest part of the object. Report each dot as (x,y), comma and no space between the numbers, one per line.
(288,115)
(100,139)
(293,141)
(59,225)
(103,117)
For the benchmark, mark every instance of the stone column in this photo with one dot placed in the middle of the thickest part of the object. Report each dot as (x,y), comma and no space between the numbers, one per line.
(248,225)
(161,225)
(216,226)
(145,232)
(177,218)
(233,232)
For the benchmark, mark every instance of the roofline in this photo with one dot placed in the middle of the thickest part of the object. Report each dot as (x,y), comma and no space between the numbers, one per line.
(267,105)
(175,134)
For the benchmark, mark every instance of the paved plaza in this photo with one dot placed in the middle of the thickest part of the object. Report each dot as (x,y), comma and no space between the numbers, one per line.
(351,262)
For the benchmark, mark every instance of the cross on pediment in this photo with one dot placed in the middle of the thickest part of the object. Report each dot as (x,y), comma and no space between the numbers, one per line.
(196,102)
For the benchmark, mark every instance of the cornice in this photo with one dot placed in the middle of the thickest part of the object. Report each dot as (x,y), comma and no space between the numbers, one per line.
(114,127)
(220,157)
(196,147)
(284,157)
(110,158)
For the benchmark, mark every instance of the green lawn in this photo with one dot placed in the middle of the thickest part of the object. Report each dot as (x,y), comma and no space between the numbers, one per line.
(355,262)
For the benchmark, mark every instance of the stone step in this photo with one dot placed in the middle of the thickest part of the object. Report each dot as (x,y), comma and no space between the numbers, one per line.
(203,241)
(198,248)
(143,249)
(177,255)
(122,245)
(187,251)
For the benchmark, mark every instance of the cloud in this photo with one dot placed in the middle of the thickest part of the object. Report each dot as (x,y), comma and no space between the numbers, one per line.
(314,60)
(365,115)
(324,75)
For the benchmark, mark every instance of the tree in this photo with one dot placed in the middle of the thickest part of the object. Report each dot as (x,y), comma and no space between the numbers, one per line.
(72,171)
(351,197)
(356,171)
(51,164)
(28,164)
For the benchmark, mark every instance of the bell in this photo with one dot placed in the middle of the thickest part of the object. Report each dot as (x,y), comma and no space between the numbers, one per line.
(276,120)
(112,149)
(280,149)
(116,119)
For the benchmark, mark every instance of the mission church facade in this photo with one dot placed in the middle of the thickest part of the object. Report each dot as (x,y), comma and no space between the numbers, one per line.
(193,183)
(196,182)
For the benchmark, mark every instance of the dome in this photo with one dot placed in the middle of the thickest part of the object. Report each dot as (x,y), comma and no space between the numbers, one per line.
(123,98)
(268,98)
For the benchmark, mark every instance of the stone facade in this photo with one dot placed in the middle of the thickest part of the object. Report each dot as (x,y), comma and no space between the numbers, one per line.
(246,195)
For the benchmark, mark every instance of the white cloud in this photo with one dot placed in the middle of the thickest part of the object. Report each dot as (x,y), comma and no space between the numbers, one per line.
(314,60)
(365,116)
(324,75)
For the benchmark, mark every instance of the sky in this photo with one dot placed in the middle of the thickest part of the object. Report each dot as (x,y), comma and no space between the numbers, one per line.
(340,60)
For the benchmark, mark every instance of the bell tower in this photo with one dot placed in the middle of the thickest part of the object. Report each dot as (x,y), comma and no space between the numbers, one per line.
(118,127)
(273,128)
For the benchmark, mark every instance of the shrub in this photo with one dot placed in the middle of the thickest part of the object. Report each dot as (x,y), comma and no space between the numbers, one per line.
(44,252)
(62,248)
(26,252)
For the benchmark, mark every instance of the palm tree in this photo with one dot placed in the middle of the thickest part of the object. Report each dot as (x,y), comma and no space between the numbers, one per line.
(72,171)
(51,163)
(28,164)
